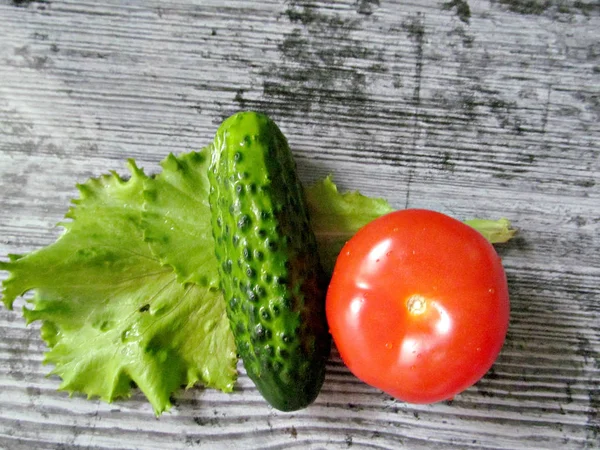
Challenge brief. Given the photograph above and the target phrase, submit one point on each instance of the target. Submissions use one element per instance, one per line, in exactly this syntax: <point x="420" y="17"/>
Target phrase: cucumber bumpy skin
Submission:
<point x="268" y="261"/>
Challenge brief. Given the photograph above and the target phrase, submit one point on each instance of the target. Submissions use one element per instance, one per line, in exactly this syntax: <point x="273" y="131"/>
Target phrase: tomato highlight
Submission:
<point x="418" y="305"/>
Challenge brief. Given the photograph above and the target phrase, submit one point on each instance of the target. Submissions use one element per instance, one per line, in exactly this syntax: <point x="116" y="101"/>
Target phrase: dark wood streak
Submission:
<point x="472" y="108"/>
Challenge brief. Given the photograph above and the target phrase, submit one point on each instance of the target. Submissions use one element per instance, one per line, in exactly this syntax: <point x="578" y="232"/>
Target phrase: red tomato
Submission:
<point x="418" y="305"/>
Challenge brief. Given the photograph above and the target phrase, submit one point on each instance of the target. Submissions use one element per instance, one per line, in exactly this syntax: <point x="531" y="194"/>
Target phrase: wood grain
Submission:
<point x="477" y="109"/>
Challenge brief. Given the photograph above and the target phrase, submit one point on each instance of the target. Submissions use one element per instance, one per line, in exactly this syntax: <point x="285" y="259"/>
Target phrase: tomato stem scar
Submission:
<point x="416" y="304"/>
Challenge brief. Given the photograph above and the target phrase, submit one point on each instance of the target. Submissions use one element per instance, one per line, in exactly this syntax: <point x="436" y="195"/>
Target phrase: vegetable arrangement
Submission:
<point x="162" y="281"/>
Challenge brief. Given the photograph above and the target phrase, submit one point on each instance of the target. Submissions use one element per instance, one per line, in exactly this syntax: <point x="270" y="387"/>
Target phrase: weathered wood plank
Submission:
<point x="479" y="108"/>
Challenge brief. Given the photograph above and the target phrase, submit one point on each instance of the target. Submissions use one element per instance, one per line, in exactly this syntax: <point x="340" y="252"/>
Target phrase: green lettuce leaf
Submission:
<point x="496" y="231"/>
<point x="112" y="313"/>
<point x="176" y="218"/>
<point x="336" y="217"/>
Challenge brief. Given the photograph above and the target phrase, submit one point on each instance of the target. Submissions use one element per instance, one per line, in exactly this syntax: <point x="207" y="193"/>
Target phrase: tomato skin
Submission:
<point x="418" y="305"/>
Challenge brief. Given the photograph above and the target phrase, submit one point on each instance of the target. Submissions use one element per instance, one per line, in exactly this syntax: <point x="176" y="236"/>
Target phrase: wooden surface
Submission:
<point x="474" y="108"/>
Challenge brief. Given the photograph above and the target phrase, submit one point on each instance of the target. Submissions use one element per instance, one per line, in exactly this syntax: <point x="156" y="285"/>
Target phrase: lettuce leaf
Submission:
<point x="112" y="313"/>
<point x="336" y="217"/>
<point x="496" y="231"/>
<point x="176" y="218"/>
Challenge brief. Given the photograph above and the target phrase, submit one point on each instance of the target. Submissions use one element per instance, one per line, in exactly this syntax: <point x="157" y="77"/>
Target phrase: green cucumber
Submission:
<point x="269" y="266"/>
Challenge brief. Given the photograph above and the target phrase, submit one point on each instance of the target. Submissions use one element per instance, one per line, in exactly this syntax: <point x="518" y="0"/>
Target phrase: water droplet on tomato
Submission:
<point x="413" y="367"/>
<point x="388" y="253"/>
<point x="389" y="345"/>
<point x="491" y="290"/>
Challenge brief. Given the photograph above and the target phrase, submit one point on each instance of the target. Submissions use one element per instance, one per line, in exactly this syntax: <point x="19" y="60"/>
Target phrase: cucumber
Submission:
<point x="269" y="267"/>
